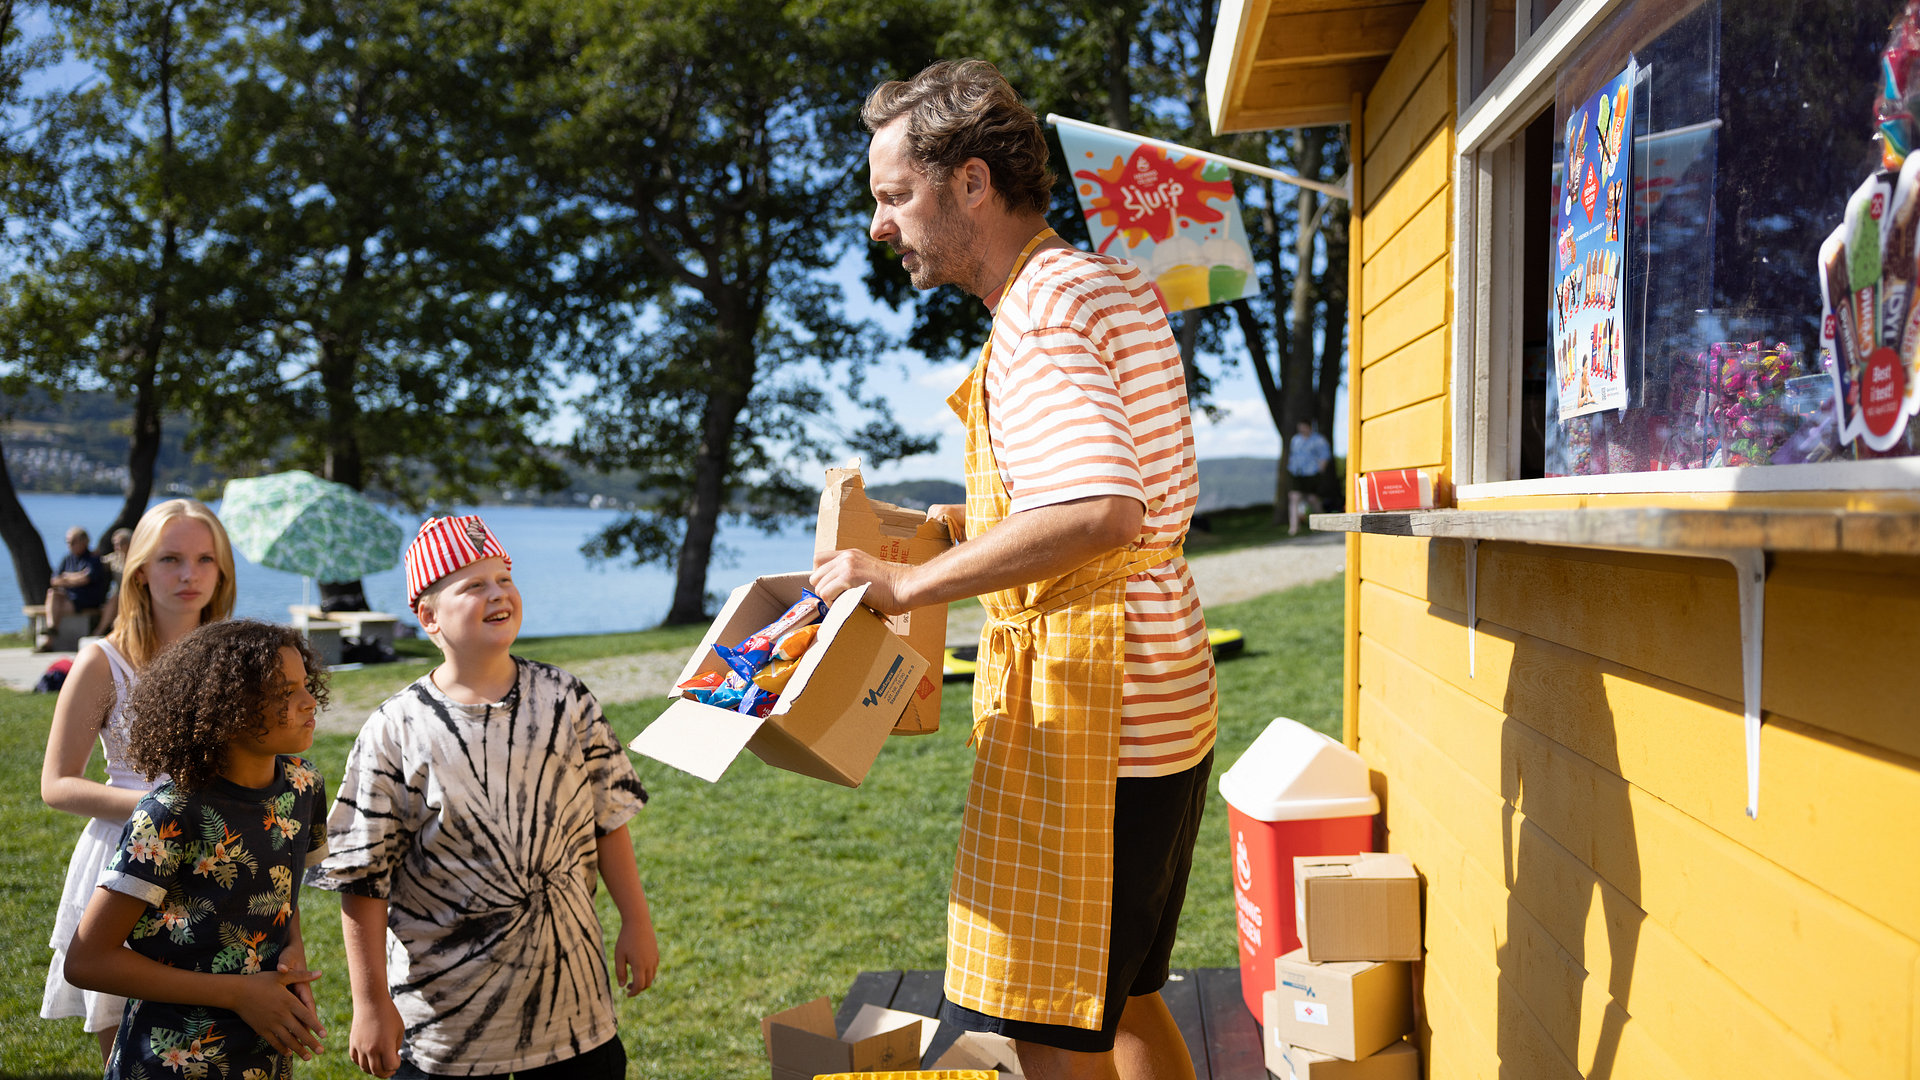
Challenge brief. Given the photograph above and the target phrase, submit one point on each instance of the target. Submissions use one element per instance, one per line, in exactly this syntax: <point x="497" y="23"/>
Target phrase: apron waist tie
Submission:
<point x="1001" y="637"/>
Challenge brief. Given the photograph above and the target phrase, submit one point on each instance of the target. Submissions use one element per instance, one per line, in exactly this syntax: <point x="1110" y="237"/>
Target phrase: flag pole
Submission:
<point x="1338" y="191"/>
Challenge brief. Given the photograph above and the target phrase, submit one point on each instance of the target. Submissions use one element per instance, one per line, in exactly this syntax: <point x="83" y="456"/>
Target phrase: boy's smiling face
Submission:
<point x="475" y="610"/>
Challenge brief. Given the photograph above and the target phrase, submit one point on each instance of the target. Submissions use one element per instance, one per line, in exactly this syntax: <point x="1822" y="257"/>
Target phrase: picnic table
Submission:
<point x="1221" y="1035"/>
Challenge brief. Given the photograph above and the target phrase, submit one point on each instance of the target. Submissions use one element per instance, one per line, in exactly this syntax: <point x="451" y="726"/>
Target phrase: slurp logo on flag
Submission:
<point x="1174" y="215"/>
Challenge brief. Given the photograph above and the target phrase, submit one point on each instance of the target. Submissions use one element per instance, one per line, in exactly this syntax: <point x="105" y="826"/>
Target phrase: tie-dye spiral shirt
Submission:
<point x="477" y="825"/>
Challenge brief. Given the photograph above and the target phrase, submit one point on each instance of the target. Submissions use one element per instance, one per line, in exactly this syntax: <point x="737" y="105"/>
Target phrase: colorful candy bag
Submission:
<point x="715" y="688"/>
<point x="753" y="653"/>
<point x="1747" y="395"/>
<point x="776" y="675"/>
<point x="796" y="643"/>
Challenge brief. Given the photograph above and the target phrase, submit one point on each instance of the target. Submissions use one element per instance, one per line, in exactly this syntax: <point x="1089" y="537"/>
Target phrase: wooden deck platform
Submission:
<point x="1221" y="1035"/>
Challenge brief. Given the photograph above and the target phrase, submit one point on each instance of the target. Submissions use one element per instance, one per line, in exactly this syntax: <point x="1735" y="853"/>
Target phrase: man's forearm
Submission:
<point x="1032" y="545"/>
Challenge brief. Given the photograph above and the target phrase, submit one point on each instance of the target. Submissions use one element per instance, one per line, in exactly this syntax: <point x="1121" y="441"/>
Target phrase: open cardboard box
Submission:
<point x="801" y="1042"/>
<point x="846" y="695"/>
<point x="849" y="519"/>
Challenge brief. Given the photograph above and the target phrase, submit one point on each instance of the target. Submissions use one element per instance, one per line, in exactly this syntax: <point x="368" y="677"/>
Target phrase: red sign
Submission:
<point x="1150" y="195"/>
<point x="1883" y="388"/>
<point x="1590" y="192"/>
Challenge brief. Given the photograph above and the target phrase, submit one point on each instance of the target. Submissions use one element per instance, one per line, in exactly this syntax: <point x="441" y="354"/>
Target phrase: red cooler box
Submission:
<point x="1294" y="792"/>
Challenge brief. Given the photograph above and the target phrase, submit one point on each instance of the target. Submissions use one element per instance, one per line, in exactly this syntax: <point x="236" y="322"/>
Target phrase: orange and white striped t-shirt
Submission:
<point x="1086" y="396"/>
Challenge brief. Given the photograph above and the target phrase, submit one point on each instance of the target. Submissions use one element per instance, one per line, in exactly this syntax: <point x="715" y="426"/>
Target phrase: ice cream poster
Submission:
<point x="1174" y="215"/>
<point x="1870" y="325"/>
<point x="1588" y="319"/>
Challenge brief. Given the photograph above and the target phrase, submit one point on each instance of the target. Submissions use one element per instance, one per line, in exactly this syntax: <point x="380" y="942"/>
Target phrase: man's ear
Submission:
<point x="975" y="182"/>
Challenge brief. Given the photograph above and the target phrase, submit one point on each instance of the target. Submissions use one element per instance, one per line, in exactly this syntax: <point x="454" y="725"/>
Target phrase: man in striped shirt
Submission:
<point x="1081" y="483"/>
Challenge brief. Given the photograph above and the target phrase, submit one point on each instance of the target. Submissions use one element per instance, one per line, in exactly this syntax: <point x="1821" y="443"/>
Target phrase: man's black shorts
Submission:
<point x="1155" y="821"/>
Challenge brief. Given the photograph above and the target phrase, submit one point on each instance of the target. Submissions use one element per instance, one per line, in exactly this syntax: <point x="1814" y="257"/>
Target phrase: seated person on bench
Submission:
<point x="79" y="585"/>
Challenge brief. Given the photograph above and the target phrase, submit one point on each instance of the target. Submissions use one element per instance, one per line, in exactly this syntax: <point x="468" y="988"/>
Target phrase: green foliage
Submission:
<point x="389" y="288"/>
<point x="707" y="156"/>
<point x="767" y="888"/>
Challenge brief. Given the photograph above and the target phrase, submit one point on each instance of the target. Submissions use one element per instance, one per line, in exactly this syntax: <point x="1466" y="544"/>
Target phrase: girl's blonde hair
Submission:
<point x="134" y="633"/>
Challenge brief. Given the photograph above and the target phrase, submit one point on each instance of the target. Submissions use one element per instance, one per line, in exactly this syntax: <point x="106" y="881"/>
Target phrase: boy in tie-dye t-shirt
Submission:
<point x="478" y="807"/>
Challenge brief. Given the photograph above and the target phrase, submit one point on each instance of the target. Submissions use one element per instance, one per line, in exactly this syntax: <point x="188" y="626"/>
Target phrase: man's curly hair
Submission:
<point x="220" y="682"/>
<point x="962" y="109"/>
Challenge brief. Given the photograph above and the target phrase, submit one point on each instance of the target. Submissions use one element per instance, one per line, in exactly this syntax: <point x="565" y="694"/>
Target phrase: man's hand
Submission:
<point x="374" y="1040"/>
<point x="954" y="515"/>
<point x="834" y="572"/>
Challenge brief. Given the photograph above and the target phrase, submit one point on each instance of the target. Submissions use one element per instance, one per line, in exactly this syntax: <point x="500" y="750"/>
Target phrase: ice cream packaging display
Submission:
<point x="1870" y="325"/>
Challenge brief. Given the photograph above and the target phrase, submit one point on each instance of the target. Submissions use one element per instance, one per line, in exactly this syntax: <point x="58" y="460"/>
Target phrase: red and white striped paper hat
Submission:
<point x="445" y="545"/>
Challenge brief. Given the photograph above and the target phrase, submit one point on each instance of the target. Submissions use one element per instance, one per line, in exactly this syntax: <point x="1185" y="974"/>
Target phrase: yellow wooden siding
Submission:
<point x="1715" y="897"/>
<point x="1827" y="808"/>
<point x="1430" y="106"/>
<point x="1423" y="180"/>
<point x="1407" y="438"/>
<point x="1417" y="309"/>
<point x="1559" y="802"/>
<point x="1421" y="243"/>
<point x="1597" y="901"/>
<point x="1411" y="375"/>
<point x="1551" y="899"/>
<point x="1427" y="43"/>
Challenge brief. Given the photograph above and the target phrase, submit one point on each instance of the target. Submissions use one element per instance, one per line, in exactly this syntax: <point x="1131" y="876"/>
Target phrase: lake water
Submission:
<point x="562" y="592"/>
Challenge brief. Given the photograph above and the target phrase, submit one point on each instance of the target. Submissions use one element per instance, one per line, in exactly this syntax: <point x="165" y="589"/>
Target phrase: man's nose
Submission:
<point x="882" y="227"/>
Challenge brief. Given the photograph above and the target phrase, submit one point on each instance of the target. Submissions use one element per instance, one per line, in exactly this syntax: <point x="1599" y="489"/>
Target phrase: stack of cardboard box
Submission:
<point x="1342" y="1003"/>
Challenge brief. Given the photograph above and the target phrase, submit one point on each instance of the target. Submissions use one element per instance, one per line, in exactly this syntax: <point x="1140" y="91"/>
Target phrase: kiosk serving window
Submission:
<point x="1713" y="256"/>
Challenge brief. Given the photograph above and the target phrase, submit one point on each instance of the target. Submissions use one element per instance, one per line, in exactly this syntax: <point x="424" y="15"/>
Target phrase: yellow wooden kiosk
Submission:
<point x="1650" y="727"/>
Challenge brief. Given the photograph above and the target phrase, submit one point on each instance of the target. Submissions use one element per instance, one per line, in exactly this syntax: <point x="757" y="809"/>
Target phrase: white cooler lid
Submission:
<point x="1294" y="773"/>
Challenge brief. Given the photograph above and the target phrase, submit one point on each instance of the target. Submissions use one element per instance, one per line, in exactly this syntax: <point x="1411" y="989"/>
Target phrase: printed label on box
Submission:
<point x="1310" y="1012"/>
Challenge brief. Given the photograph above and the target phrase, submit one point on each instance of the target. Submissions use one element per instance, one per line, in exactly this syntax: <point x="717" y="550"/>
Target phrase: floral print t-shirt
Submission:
<point x="219" y="870"/>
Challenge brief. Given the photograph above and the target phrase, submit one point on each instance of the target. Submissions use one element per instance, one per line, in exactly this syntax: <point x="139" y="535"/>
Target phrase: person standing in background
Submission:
<point x="1308" y="460"/>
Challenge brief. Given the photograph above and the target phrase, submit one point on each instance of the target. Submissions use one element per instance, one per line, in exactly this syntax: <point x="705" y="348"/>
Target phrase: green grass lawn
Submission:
<point x="767" y="888"/>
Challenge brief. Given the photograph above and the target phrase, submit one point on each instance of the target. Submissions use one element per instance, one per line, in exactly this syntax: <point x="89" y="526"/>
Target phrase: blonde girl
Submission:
<point x="178" y="576"/>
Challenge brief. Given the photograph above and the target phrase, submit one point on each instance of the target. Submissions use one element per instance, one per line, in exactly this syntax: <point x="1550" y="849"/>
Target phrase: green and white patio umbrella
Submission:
<point x="297" y="522"/>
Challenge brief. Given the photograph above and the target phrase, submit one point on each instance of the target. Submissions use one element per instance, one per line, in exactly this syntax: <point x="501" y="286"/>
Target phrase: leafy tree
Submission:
<point x="709" y="156"/>
<point x="384" y="286"/>
<point x="30" y="198"/>
<point x="109" y="298"/>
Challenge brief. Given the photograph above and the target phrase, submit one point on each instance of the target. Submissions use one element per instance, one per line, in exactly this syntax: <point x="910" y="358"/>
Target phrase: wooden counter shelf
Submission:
<point x="1657" y="529"/>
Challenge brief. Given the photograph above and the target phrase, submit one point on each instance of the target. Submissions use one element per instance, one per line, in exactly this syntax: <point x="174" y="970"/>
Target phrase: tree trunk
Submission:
<point x="143" y="441"/>
<point x="712" y="466"/>
<point x="143" y="452"/>
<point x="30" y="566"/>
<point x="1333" y="344"/>
<point x="1119" y="67"/>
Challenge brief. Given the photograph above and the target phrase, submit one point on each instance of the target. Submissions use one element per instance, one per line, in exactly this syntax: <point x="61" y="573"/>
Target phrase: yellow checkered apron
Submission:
<point x="1029" y="913"/>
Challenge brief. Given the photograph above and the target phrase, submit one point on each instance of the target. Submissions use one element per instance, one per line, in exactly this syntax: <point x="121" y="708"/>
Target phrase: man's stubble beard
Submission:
<point x="948" y="253"/>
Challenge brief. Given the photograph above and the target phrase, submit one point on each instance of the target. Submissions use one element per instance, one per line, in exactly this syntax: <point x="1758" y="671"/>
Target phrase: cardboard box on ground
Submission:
<point x="850" y="520"/>
<point x="1348" y="1009"/>
<point x="801" y="1044"/>
<point x="1357" y="907"/>
<point x="1400" y="1060"/>
<point x="845" y="697"/>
